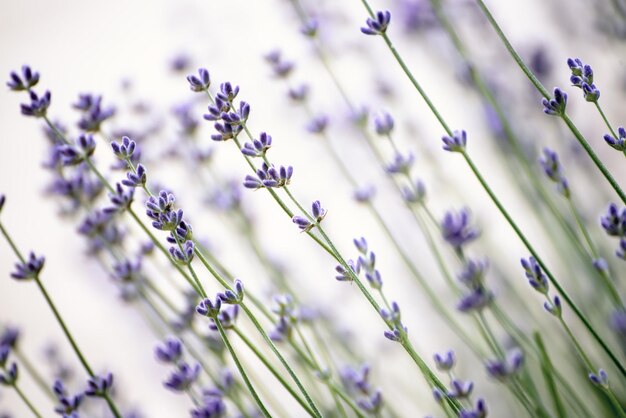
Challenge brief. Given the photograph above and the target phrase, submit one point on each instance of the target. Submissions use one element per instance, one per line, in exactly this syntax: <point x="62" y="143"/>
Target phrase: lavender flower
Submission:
<point x="299" y="93"/>
<point x="235" y="296"/>
<point x="401" y="164"/>
<point x="9" y="337"/>
<point x="536" y="278"/>
<point x="92" y="112"/>
<point x="183" y="377"/>
<point x="555" y="106"/>
<point x="473" y="273"/>
<point x="445" y="362"/>
<point x="258" y="147"/>
<point x="124" y="150"/>
<point x="383" y="124"/>
<point x="503" y="369"/>
<point x="364" y="194"/>
<point x="227" y="317"/>
<point x="280" y="67"/>
<point x="460" y="389"/>
<point x="552" y="168"/>
<point x="554" y="307"/>
<point x="211" y="407"/>
<point x="416" y="193"/>
<point x="99" y="386"/>
<point x="614" y="222"/>
<point x="207" y="307"/>
<point x="75" y="154"/>
<point x="456" y="228"/>
<point x="121" y="199"/>
<point x="10" y="375"/>
<point x="618" y="143"/>
<point x="600" y="379"/>
<point x="456" y="143"/>
<point x="38" y="105"/>
<point x="582" y="77"/>
<point x="480" y="411"/>
<point x="318" y="124"/>
<point x="344" y="274"/>
<point x="183" y="256"/>
<point x="170" y="351"/>
<point x="127" y="271"/>
<point x="227" y="92"/>
<point x="28" y="79"/>
<point x="269" y="176"/>
<point x="378" y="25"/>
<point x="310" y="28"/>
<point x="136" y="179"/>
<point x="29" y="269"/>
<point x="68" y="405"/>
<point x="200" y="83"/>
<point x="475" y="300"/>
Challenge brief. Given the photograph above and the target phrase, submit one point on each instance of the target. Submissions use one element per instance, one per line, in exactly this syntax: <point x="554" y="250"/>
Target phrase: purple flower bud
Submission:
<point x="38" y="106"/>
<point x="98" y="386"/>
<point x="554" y="307"/>
<point x="456" y="143"/>
<point x="445" y="362"/>
<point x="200" y="83"/>
<point x="600" y="379"/>
<point x="183" y="377"/>
<point x="555" y="106"/>
<point x="456" y="228"/>
<point x="207" y="307"/>
<point x="170" y="351"/>
<point x="536" y="278"/>
<point x="378" y="25"/>
<point x="28" y="79"/>
<point x="29" y="269"/>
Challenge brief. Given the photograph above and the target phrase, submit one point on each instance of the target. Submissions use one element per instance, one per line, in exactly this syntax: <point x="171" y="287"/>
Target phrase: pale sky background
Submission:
<point x="89" y="46"/>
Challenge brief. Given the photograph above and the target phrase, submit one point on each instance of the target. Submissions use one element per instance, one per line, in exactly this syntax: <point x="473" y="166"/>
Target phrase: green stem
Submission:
<point x="548" y="373"/>
<point x="274" y="372"/>
<point x="605" y="119"/>
<point x="39" y="380"/>
<point x="244" y="376"/>
<point x="26" y="401"/>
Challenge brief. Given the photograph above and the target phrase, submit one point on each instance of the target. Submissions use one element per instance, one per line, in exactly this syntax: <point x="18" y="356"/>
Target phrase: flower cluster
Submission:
<point x="582" y="77"/>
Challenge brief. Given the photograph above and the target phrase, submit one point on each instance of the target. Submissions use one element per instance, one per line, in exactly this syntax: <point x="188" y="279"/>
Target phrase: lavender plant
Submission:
<point x="293" y="341"/>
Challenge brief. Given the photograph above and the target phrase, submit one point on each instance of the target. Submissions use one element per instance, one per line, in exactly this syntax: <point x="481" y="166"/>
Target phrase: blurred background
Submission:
<point x="137" y="54"/>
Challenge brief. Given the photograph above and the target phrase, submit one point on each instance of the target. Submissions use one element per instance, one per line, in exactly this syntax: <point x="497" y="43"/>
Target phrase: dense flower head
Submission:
<point x="455" y="143"/>
<point x="99" y="386"/>
<point x="182" y="377"/>
<point x="552" y="168"/>
<point x="236" y="117"/>
<point x="555" y="106"/>
<point x="28" y="269"/>
<point x="473" y="273"/>
<point x="456" y="228"/>
<point x="201" y="82"/>
<point x="38" y="106"/>
<point x="377" y="25"/>
<point x="618" y="143"/>
<point x="170" y="351"/>
<point x="534" y="273"/>
<point x="227" y="92"/>
<point x="25" y="81"/>
<point x="582" y="77"/>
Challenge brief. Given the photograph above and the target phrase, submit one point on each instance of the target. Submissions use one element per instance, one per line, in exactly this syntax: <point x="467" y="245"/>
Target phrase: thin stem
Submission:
<point x="25" y="399"/>
<point x="605" y="119"/>
<point x="244" y="376"/>
<point x="275" y="373"/>
<point x="548" y="373"/>
<point x="28" y="366"/>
